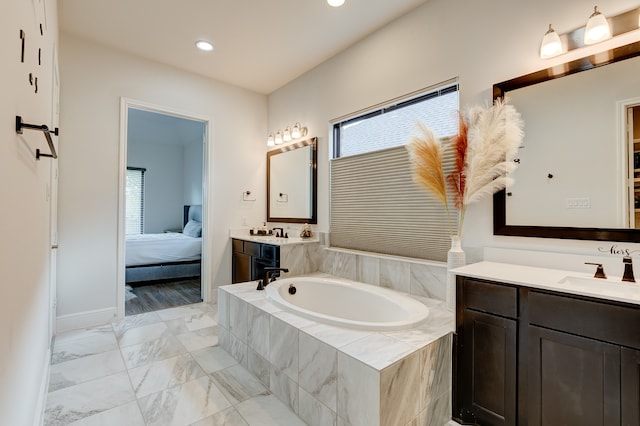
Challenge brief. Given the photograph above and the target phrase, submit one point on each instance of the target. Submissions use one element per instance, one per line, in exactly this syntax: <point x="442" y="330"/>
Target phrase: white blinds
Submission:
<point x="134" y="202"/>
<point x="376" y="206"/>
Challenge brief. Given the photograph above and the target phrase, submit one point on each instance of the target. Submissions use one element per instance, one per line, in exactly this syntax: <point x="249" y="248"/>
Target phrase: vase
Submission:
<point x="455" y="258"/>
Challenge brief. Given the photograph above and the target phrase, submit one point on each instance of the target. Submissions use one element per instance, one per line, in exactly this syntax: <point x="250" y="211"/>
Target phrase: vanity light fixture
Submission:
<point x="551" y="45"/>
<point x="204" y="45"/>
<point x="597" y="28"/>
<point x="289" y="134"/>
<point x="286" y="136"/>
<point x="335" y="3"/>
<point x="298" y="131"/>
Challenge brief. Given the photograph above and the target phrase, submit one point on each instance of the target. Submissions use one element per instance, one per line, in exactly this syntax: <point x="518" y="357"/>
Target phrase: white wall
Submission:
<point x="25" y="213"/>
<point x="192" y="191"/>
<point x="94" y="79"/>
<point x="482" y="43"/>
<point x="163" y="183"/>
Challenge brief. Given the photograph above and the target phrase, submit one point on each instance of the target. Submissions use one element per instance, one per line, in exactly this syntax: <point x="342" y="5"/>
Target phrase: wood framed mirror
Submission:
<point x="580" y="184"/>
<point x="292" y="183"/>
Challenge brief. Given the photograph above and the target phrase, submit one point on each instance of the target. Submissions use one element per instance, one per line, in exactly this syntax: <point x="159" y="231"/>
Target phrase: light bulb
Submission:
<point x="204" y="45"/>
<point x="597" y="28"/>
<point x="335" y="3"/>
<point x="551" y="45"/>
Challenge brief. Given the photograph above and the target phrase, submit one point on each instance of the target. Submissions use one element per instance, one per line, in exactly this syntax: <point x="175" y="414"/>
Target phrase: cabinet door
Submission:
<point x="486" y="376"/>
<point x="572" y="380"/>
<point x="630" y="398"/>
<point x="241" y="271"/>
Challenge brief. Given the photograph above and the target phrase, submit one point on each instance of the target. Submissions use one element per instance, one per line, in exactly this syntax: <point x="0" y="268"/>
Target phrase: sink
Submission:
<point x="613" y="285"/>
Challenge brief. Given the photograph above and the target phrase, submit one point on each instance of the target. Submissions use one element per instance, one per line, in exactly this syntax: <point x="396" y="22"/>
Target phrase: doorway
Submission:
<point x="163" y="212"/>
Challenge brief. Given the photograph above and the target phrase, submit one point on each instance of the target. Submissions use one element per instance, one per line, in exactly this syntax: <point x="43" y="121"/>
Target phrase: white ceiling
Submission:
<point x="259" y="44"/>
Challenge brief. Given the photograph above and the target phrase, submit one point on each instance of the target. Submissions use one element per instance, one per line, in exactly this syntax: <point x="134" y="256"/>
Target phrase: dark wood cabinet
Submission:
<point x="490" y="379"/>
<point x="486" y="353"/>
<point x="533" y="357"/>
<point x="630" y="387"/>
<point x="250" y="258"/>
<point x="572" y="380"/>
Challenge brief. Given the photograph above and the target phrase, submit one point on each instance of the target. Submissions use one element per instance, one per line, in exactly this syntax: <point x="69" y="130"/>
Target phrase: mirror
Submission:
<point x="292" y="183"/>
<point x="575" y="177"/>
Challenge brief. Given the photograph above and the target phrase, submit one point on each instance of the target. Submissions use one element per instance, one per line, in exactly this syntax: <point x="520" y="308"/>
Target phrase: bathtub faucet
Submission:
<point x="266" y="280"/>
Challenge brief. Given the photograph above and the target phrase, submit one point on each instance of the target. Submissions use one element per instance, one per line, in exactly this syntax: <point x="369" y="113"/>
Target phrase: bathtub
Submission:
<point x="347" y="303"/>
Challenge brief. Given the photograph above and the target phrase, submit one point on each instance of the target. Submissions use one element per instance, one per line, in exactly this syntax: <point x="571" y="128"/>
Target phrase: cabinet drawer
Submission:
<point x="589" y="318"/>
<point x="237" y="246"/>
<point x="485" y="296"/>
<point x="252" y="248"/>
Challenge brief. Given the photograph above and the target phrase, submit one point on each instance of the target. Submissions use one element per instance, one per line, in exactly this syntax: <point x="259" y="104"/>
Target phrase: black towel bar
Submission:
<point x="47" y="135"/>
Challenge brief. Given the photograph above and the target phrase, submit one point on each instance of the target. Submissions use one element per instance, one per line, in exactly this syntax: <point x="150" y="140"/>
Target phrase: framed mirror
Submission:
<point x="577" y="176"/>
<point x="292" y="183"/>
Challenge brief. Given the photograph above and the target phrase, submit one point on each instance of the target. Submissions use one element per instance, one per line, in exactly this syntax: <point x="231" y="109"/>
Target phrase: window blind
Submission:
<point x="134" y="201"/>
<point x="376" y="206"/>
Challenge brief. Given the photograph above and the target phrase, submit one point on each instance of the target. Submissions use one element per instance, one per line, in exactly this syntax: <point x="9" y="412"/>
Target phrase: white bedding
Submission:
<point x="146" y="249"/>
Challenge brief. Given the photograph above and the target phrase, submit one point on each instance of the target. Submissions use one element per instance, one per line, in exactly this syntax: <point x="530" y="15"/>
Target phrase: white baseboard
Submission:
<point x="42" y="394"/>
<point x="85" y="319"/>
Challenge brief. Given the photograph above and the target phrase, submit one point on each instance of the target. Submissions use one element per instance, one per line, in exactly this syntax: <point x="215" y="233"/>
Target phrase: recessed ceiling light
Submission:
<point x="335" y="3"/>
<point x="204" y="45"/>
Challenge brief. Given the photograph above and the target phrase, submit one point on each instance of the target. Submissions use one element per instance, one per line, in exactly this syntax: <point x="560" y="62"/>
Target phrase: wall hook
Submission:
<point x="20" y="125"/>
<point x="246" y="196"/>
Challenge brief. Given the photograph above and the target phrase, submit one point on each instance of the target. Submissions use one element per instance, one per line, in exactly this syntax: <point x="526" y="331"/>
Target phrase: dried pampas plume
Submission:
<point x="484" y="148"/>
<point x="426" y="160"/>
<point x="494" y="137"/>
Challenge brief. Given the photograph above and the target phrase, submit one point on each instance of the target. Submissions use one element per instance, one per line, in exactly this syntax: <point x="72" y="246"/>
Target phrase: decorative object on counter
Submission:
<point x="262" y="231"/>
<point x="484" y="149"/>
<point x="306" y="231"/>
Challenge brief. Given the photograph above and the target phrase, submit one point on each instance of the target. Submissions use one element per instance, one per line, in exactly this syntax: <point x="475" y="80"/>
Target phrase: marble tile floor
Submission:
<point x="157" y="368"/>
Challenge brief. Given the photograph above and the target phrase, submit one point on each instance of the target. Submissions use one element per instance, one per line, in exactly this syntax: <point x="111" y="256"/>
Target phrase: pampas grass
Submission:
<point x="426" y="160"/>
<point x="484" y="148"/>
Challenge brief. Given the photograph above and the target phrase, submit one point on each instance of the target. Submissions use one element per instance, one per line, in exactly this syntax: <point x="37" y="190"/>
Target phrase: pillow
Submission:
<point x="193" y="229"/>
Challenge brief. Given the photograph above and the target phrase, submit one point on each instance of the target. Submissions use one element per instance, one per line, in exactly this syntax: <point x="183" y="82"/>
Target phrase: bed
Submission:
<point x="171" y="255"/>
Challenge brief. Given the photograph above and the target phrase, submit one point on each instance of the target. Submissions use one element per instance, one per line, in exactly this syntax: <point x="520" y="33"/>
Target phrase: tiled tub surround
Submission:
<point x="418" y="278"/>
<point x="337" y="376"/>
<point x="301" y="256"/>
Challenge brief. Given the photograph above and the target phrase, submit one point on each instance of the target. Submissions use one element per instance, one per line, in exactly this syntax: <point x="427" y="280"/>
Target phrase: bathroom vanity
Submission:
<point x="251" y="254"/>
<point x="250" y="258"/>
<point x="537" y="346"/>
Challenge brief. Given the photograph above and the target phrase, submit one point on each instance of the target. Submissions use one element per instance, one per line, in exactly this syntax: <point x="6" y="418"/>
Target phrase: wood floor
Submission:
<point x="161" y="295"/>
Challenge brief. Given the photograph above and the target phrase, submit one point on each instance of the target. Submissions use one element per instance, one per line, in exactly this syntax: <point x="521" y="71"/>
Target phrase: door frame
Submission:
<point x="625" y="147"/>
<point x="207" y="157"/>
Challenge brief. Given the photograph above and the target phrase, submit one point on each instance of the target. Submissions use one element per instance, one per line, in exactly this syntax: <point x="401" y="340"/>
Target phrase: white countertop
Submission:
<point x="265" y="239"/>
<point x="563" y="281"/>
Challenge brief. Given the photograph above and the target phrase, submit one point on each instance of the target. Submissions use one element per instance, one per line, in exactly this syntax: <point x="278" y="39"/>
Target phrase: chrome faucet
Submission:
<point x="628" y="269"/>
<point x="262" y="283"/>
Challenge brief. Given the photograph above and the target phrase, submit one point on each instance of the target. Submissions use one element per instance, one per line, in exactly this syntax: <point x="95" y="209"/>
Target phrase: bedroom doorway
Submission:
<point x="163" y="212"/>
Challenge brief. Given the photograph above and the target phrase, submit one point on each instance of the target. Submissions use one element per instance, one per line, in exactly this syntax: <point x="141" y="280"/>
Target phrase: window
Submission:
<point x="375" y="205"/>
<point x="134" y="203"/>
